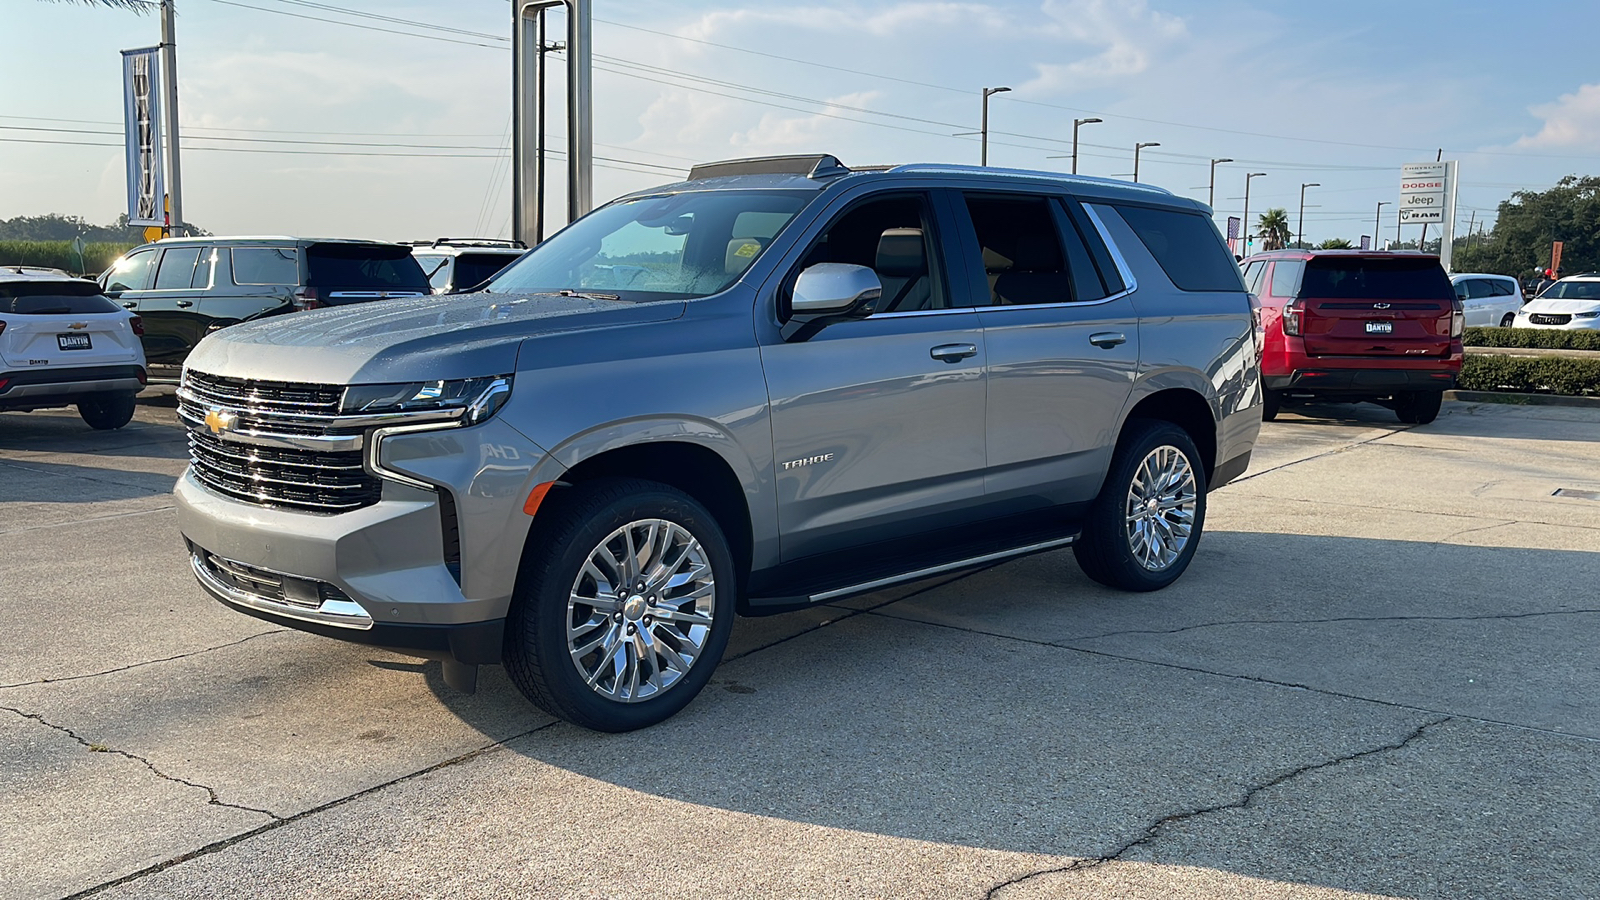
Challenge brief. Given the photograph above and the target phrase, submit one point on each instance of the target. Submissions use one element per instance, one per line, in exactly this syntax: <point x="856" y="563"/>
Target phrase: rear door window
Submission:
<point x="177" y="268"/>
<point x="373" y="267"/>
<point x="1373" y="278"/>
<point x="1021" y="249"/>
<point x="1286" y="274"/>
<point x="1188" y="247"/>
<point x="266" y="265"/>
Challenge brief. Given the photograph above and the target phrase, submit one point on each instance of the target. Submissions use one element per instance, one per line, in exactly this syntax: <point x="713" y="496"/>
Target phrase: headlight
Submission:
<point x="1587" y="315"/>
<point x="481" y="398"/>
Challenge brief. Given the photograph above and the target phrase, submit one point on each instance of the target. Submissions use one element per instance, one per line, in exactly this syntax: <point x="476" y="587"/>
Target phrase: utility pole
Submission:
<point x="1300" y="239"/>
<point x="539" y="147"/>
<point x="1246" y="220"/>
<point x="1136" y="149"/>
<point x="1076" y="123"/>
<point x="169" y="80"/>
<point x="1377" y="219"/>
<point x="1211" y="196"/>
<point x="983" y="129"/>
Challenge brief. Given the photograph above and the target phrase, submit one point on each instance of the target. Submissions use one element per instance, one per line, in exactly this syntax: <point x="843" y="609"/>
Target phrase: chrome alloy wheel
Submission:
<point x="640" y="610"/>
<point x="1161" y="508"/>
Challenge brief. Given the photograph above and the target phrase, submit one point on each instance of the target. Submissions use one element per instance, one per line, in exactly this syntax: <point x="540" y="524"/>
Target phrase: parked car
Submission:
<point x="186" y="288"/>
<point x="63" y="343"/>
<point x="459" y="264"/>
<point x="1488" y="300"/>
<point x="1357" y="326"/>
<point x="1571" y="303"/>
<point x="777" y="384"/>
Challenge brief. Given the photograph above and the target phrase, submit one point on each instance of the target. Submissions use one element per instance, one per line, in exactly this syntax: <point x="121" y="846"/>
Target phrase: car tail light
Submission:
<point x="4" y="381"/>
<point x="306" y="298"/>
<point x="1258" y="330"/>
<point x="137" y="324"/>
<point x="1292" y="313"/>
<point x="144" y="378"/>
<point x="1458" y="319"/>
<point x="2" y="328"/>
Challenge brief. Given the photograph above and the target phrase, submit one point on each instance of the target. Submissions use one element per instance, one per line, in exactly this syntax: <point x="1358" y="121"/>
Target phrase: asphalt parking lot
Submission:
<point x="1378" y="678"/>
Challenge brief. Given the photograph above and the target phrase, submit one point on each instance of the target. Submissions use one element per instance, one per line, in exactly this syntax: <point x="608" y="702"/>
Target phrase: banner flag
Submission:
<point x="141" y="116"/>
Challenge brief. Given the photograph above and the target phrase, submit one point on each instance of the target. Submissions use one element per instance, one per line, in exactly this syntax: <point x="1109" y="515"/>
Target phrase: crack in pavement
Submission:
<point x="1063" y="642"/>
<point x="121" y="515"/>
<point x="280" y="821"/>
<point x="211" y="794"/>
<point x="12" y="464"/>
<point x="148" y="662"/>
<point x="1153" y="831"/>
<point x="1340" y="449"/>
<point x="1277" y="498"/>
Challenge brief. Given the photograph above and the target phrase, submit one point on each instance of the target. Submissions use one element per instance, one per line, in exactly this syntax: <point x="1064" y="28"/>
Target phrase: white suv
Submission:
<point x="63" y="342"/>
<point x="1488" y="300"/>
<point x="456" y="264"/>
<point x="1573" y="303"/>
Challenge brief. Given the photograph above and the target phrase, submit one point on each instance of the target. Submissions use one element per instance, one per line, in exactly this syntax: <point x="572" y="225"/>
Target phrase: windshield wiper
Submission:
<point x="588" y="295"/>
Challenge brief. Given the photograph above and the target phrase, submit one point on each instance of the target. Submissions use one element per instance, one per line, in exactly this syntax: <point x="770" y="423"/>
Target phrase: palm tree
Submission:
<point x="1335" y="244"/>
<point x="1273" y="228"/>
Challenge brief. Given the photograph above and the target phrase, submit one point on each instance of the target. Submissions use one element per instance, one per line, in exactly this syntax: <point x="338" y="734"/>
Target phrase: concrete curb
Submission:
<point x="1516" y="399"/>
<point x="1533" y="351"/>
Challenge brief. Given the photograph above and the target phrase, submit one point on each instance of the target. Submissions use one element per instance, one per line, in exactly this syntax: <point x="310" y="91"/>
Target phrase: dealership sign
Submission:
<point x="141" y="111"/>
<point x="1425" y="190"/>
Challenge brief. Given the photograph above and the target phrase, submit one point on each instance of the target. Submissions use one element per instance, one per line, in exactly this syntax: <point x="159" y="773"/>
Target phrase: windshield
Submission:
<point x="674" y="247"/>
<point x="1572" y="290"/>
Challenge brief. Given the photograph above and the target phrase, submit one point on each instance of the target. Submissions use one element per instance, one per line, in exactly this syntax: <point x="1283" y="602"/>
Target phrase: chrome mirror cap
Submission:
<point x="836" y="288"/>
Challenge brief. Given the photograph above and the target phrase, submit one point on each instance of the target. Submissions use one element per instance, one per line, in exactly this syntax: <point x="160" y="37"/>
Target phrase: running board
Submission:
<point x="784" y="604"/>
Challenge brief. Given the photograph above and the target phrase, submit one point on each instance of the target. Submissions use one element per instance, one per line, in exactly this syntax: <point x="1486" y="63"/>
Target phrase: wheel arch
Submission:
<point x="1190" y="410"/>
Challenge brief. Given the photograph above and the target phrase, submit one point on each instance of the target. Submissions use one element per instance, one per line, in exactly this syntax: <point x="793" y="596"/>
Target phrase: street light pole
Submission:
<point x="1076" y="123"/>
<point x="1377" y="221"/>
<point x="1136" y="149"/>
<point x="1246" y="219"/>
<point x="984" y="128"/>
<point x="1211" y="197"/>
<point x="169" y="77"/>
<point x="1301" y="237"/>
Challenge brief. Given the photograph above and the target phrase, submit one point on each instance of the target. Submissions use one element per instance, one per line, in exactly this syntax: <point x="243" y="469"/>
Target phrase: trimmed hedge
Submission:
<point x="1542" y="338"/>
<point x="58" y="255"/>
<point x="1531" y="374"/>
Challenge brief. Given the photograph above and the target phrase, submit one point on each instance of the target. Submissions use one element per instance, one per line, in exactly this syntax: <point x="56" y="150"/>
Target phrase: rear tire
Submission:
<point x="1507" y="319"/>
<point x="1271" y="403"/>
<point x="1418" y="407"/>
<point x="623" y="605"/>
<point x="1143" y="528"/>
<point x="104" y="412"/>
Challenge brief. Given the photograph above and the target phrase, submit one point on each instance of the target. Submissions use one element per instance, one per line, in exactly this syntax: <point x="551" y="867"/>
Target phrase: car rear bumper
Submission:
<point x="1367" y="382"/>
<point x="46" y="386"/>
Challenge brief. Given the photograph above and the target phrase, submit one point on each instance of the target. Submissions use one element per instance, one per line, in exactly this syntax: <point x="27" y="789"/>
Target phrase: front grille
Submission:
<point x="313" y="480"/>
<point x="1549" y="318"/>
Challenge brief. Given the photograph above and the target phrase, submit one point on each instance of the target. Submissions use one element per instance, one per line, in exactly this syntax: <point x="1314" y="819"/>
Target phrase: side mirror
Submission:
<point x="828" y="293"/>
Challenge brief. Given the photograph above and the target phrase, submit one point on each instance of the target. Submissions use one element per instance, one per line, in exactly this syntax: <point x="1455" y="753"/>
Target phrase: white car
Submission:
<point x="63" y="342"/>
<point x="1489" y="300"/>
<point x="1573" y="303"/>
<point x="456" y="264"/>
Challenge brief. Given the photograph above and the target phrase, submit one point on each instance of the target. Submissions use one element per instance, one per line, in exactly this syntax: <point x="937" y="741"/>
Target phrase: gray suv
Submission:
<point x="776" y="384"/>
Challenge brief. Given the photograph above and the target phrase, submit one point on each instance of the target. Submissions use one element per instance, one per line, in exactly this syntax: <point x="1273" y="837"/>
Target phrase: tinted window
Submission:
<point x="374" y="267"/>
<point x="1286" y="277"/>
<point x="1376" y="278"/>
<point x="1574" y="290"/>
<point x="177" y="268"/>
<point x="1187" y="246"/>
<point x="1254" y="273"/>
<point x="1021" y="250"/>
<point x="893" y="237"/>
<point x="1500" y="287"/>
<point x="54" y="298"/>
<point x="203" y="270"/>
<point x="132" y="272"/>
<point x="437" y="268"/>
<point x="265" y="265"/>
<point x="473" y="269"/>
<point x="1110" y="275"/>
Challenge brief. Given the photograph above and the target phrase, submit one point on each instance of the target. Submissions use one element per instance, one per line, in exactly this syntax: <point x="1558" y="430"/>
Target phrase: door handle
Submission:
<point x="1105" y="340"/>
<point x="953" y="352"/>
<point x="185" y="304"/>
<point x="130" y="305"/>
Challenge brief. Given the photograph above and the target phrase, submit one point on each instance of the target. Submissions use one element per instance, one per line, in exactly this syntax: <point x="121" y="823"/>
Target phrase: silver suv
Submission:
<point x="776" y="384"/>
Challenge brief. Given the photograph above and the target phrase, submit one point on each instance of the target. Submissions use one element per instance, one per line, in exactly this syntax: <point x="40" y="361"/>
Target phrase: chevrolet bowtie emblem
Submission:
<point x="220" y="420"/>
<point x="78" y="326"/>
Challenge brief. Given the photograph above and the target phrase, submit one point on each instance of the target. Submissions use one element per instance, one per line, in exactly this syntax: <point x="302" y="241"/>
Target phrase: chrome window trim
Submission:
<point x="337" y="613"/>
<point x="1130" y="283"/>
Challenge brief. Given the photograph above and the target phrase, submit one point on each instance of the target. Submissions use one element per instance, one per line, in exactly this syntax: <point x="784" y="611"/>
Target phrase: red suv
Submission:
<point x="1352" y="326"/>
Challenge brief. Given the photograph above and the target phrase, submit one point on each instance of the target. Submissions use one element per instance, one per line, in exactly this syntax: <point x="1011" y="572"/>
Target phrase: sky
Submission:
<point x="306" y="118"/>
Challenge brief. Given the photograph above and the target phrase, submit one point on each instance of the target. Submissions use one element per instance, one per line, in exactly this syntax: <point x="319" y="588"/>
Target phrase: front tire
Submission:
<point x="104" y="412"/>
<point x="1507" y="319"/>
<point x="1143" y="528"/>
<point x="1418" y="407"/>
<point x="623" y="606"/>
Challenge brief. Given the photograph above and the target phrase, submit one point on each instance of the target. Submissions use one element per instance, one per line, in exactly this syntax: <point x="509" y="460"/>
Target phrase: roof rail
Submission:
<point x="468" y="242"/>
<point x="816" y="165"/>
<point x="957" y="169"/>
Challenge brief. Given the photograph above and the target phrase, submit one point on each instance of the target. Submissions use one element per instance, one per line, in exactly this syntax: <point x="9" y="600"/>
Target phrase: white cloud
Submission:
<point x="1571" y="122"/>
<point x="1127" y="32"/>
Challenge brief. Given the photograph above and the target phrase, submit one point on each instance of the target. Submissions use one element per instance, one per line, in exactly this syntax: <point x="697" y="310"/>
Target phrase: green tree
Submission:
<point x="1529" y="222"/>
<point x="1273" y="227"/>
<point x="1335" y="244"/>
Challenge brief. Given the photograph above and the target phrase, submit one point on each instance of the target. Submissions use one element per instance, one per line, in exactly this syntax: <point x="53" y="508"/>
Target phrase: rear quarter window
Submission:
<point x="1188" y="247"/>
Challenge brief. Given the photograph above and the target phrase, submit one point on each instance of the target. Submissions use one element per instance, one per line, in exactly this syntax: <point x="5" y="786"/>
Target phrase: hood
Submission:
<point x="1552" y="305"/>
<point x="421" y="338"/>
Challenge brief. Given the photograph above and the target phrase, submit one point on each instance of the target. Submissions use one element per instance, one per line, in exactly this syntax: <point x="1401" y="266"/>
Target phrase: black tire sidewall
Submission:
<point x="1105" y="538"/>
<point x="105" y="412"/>
<point x="583" y="520"/>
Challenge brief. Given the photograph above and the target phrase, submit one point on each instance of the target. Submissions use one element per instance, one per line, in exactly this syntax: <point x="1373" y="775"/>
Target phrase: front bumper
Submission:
<point x="34" y="388"/>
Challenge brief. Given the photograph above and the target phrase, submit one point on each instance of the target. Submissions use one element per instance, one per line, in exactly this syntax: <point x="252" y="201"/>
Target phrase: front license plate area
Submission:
<point x="73" y="341"/>
<point x="1380" y="328"/>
